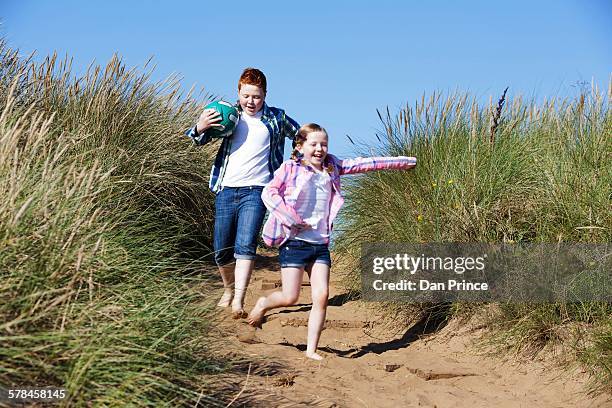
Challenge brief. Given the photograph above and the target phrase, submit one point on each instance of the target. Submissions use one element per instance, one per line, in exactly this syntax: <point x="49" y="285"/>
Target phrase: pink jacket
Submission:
<point x="281" y="194"/>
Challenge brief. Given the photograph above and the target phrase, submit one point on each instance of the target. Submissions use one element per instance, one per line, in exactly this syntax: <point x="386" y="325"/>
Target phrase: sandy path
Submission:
<point x="367" y="366"/>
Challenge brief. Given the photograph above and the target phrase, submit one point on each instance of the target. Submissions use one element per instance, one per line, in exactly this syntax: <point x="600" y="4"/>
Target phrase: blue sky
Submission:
<point x="334" y="62"/>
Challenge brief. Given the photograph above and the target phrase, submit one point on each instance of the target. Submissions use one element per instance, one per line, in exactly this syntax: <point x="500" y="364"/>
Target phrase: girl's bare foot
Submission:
<point x="226" y="299"/>
<point x="257" y="313"/>
<point x="314" y="356"/>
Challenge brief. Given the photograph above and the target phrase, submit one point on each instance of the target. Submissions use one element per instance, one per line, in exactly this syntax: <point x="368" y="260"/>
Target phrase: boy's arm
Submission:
<point x="290" y="127"/>
<point x="198" y="139"/>
<point x="208" y="119"/>
<point x="364" y="164"/>
<point x="275" y="203"/>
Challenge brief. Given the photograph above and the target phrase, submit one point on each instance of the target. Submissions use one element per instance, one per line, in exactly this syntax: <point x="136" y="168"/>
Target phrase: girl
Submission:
<point x="303" y="199"/>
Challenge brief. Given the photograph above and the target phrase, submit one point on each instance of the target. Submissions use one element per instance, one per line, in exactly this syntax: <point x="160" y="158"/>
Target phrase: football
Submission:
<point x="229" y="118"/>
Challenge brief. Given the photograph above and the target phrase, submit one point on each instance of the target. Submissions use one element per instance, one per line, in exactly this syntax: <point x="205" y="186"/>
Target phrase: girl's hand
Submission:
<point x="302" y="226"/>
<point x="209" y="118"/>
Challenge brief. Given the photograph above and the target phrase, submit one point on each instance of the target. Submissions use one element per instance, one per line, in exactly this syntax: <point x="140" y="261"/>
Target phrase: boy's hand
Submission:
<point x="209" y="118"/>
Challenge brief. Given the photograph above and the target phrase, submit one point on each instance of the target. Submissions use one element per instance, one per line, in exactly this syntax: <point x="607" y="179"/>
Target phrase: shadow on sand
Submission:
<point x="434" y="320"/>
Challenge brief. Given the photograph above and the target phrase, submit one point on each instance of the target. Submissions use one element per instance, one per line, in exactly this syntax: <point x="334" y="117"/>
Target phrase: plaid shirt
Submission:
<point x="279" y="125"/>
<point x="282" y="193"/>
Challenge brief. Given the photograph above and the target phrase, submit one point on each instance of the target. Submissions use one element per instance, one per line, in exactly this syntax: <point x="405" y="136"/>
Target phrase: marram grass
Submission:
<point x="543" y="175"/>
<point x="104" y="218"/>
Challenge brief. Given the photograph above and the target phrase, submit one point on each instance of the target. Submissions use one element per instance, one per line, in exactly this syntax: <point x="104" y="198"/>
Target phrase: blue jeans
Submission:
<point x="239" y="213"/>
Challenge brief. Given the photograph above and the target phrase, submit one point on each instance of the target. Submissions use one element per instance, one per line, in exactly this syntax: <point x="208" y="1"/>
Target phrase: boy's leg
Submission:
<point x="227" y="275"/>
<point x="242" y="274"/>
<point x="289" y="294"/>
<point x="223" y="241"/>
<point x="319" y="283"/>
<point x="250" y="216"/>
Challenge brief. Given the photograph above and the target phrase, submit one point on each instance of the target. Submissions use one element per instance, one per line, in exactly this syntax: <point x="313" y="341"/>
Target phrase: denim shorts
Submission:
<point x="239" y="214"/>
<point x="298" y="254"/>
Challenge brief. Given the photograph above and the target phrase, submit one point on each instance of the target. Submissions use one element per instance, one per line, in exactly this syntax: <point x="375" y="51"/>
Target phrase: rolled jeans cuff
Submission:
<point x="240" y="256"/>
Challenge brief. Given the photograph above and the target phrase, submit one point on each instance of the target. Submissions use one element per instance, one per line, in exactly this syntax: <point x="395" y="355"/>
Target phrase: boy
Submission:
<point x="245" y="163"/>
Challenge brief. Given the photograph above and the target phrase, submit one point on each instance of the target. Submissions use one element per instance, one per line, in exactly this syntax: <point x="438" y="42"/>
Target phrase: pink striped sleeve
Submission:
<point x="364" y="164"/>
<point x="273" y="198"/>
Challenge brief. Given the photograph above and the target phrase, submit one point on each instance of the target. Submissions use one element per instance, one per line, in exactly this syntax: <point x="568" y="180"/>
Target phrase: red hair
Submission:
<point x="253" y="76"/>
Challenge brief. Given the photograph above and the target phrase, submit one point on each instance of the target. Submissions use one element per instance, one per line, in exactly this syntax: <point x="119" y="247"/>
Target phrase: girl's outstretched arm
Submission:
<point x="274" y="201"/>
<point x="364" y="164"/>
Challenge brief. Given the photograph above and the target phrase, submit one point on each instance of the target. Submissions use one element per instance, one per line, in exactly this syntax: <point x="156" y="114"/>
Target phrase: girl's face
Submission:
<point x="251" y="98"/>
<point x="314" y="149"/>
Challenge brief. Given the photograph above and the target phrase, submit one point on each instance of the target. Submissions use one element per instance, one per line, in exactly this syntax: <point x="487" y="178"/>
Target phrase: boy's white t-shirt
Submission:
<point x="248" y="160"/>
<point x="313" y="207"/>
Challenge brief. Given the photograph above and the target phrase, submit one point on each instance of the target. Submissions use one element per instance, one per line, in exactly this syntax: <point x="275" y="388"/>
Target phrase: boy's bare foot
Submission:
<point x="314" y="356"/>
<point x="257" y="313"/>
<point x="226" y="299"/>
<point x="239" y="314"/>
<point x="238" y="304"/>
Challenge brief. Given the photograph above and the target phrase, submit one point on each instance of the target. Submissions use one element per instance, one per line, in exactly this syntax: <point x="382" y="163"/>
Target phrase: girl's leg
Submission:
<point x="291" y="282"/>
<point x="319" y="284"/>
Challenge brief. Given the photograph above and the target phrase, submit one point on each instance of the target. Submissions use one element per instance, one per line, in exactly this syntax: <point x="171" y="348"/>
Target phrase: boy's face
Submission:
<point x="251" y="98"/>
<point x="314" y="149"/>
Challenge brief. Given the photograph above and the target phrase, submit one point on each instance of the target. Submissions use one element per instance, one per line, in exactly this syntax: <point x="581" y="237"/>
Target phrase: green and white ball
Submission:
<point x="229" y="119"/>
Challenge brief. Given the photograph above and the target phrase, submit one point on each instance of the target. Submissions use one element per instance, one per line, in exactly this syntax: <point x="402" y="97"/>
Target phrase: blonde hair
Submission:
<point x="301" y="137"/>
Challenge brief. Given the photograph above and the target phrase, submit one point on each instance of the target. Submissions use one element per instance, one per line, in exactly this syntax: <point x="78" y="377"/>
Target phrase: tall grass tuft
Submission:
<point x="104" y="218"/>
<point x="546" y="178"/>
